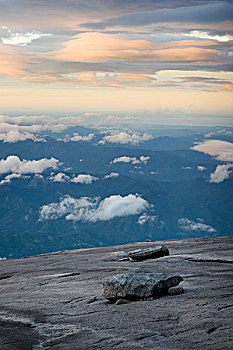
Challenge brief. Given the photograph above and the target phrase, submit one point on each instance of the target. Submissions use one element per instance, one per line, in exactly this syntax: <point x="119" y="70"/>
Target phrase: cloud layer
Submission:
<point x="222" y="150"/>
<point x="94" y="209"/>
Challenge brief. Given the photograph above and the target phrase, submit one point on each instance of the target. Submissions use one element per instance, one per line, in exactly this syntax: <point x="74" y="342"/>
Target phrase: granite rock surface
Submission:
<point x="45" y="300"/>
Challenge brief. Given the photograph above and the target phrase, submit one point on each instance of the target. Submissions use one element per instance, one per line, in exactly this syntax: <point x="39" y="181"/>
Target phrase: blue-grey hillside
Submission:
<point x="61" y="194"/>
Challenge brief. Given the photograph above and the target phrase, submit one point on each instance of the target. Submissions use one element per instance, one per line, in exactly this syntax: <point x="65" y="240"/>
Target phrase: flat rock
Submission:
<point x="148" y="253"/>
<point x="139" y="286"/>
<point x="43" y="304"/>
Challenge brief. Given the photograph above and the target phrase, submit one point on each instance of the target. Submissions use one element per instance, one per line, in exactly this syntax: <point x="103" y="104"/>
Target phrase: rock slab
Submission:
<point x="148" y="253"/>
<point x="139" y="286"/>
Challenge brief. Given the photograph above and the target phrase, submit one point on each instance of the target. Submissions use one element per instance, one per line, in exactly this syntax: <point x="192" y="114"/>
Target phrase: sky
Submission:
<point x="147" y="61"/>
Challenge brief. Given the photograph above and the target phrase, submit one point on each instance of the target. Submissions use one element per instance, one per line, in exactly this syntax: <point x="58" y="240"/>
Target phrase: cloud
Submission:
<point x="21" y="39"/>
<point x="84" y="179"/>
<point x="35" y="124"/>
<point x="111" y="175"/>
<point x="190" y="225"/>
<point x="221" y="173"/>
<point x="133" y="160"/>
<point x="92" y="209"/>
<point x="15" y="136"/>
<point x="78" y="137"/>
<point x="13" y="164"/>
<point x="144" y="218"/>
<point x="226" y="132"/>
<point x="81" y="178"/>
<point x="95" y="47"/>
<point x="59" y="177"/>
<point x="125" y="138"/>
<point x="201" y="168"/>
<point x="8" y="178"/>
<point x="202" y="13"/>
<point x="205" y="35"/>
<point x="222" y="150"/>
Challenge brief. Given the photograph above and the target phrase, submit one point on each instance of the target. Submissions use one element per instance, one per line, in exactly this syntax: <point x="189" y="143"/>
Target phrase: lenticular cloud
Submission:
<point x="92" y="209"/>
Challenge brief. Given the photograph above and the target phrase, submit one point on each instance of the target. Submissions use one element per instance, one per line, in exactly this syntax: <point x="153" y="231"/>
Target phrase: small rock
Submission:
<point x="92" y="299"/>
<point x="149" y="253"/>
<point x="175" y="290"/>
<point x="139" y="285"/>
<point x="121" y="301"/>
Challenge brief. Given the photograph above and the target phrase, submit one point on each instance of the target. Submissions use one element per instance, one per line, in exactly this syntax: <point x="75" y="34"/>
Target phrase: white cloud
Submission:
<point x="190" y="225"/>
<point x="221" y="173"/>
<point x="8" y="178"/>
<point x="144" y="218"/>
<point x="92" y="209"/>
<point x="77" y="137"/>
<point x="13" y="164"/>
<point x="84" y="179"/>
<point x="59" y="177"/>
<point x="133" y="160"/>
<point x="21" y="39"/>
<point x="201" y="168"/>
<point x="27" y="119"/>
<point x="35" y="124"/>
<point x="15" y="136"/>
<point x="111" y="175"/>
<point x="205" y="35"/>
<point x="222" y="150"/>
<point x="186" y="167"/>
<point x="125" y="138"/>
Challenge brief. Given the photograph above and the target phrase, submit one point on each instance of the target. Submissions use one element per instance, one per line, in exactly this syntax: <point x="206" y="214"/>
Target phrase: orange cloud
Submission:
<point x="11" y="63"/>
<point x="99" y="47"/>
<point x="228" y="87"/>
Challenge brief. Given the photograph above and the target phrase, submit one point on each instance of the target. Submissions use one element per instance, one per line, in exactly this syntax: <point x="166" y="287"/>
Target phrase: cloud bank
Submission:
<point x="93" y="209"/>
<point x="13" y="164"/>
<point x="222" y="150"/>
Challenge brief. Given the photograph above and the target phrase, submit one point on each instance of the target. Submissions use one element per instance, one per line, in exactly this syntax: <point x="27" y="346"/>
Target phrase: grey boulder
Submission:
<point x="139" y="286"/>
<point x="148" y="253"/>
